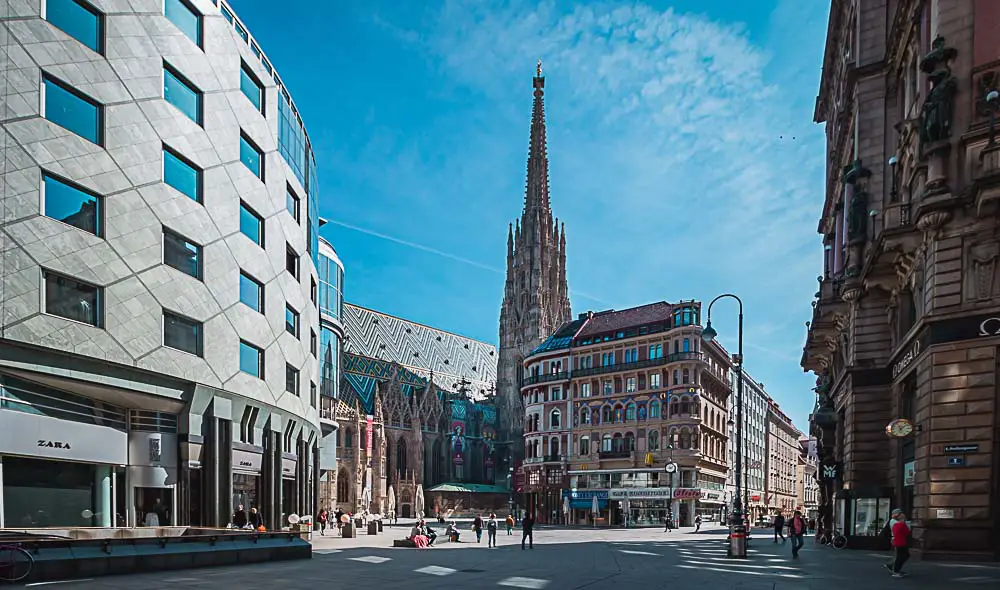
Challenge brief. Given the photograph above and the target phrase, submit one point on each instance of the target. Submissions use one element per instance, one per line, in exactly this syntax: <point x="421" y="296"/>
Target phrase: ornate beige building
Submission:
<point x="782" y="461"/>
<point x="906" y="326"/>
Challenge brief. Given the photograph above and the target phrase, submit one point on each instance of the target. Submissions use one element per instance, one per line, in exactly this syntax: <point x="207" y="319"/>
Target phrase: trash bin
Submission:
<point x="348" y="531"/>
<point x="379" y="525"/>
<point x="373" y="528"/>
<point x="738" y="541"/>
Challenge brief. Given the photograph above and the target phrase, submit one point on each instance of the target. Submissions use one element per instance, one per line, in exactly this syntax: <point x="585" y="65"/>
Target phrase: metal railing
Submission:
<point x="615" y="454"/>
<point x="547" y="377"/>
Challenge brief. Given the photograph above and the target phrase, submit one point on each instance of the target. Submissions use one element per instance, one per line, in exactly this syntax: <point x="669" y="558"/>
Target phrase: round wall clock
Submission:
<point x="671" y="467"/>
<point x="899" y="428"/>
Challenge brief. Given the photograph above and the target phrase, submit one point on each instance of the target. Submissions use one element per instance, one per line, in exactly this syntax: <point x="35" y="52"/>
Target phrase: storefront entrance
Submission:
<point x="154" y="506"/>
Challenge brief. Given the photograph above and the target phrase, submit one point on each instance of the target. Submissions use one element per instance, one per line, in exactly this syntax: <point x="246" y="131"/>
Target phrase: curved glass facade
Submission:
<point x="331" y="287"/>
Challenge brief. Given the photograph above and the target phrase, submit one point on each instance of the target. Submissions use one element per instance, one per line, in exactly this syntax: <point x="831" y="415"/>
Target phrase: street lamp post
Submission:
<point x="737" y="528"/>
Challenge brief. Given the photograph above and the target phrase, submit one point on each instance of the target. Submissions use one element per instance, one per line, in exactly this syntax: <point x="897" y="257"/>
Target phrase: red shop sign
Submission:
<point x="687" y="494"/>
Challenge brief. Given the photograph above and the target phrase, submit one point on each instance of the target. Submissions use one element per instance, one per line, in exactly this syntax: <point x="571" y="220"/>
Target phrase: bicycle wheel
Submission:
<point x="839" y="542"/>
<point x="15" y="563"/>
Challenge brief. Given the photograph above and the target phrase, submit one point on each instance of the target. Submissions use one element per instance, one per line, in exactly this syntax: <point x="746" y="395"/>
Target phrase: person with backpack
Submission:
<point x="797" y="531"/>
<point x="510" y="524"/>
<point x="491" y="531"/>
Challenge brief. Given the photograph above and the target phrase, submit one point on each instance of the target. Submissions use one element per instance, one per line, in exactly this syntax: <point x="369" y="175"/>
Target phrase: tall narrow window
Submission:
<point x="251" y="224"/>
<point x="251" y="88"/>
<point x="291" y="321"/>
<point x="181" y="93"/>
<point x="185" y="18"/>
<point x="72" y="204"/>
<point x="182" y="333"/>
<point x="251" y="292"/>
<point x="72" y="299"/>
<point x="291" y="379"/>
<point x="251" y="156"/>
<point x="292" y="203"/>
<point x="251" y="359"/>
<point x="291" y="261"/>
<point x="181" y="254"/>
<point x="79" y="20"/>
<point x="73" y="110"/>
<point x="181" y="174"/>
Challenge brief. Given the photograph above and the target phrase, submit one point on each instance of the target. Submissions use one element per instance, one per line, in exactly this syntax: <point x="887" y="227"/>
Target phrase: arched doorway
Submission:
<point x="343" y="488"/>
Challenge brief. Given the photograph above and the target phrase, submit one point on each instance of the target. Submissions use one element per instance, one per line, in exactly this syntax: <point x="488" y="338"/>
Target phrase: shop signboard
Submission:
<point x="687" y="494"/>
<point x="247" y="462"/>
<point x="909" y="473"/>
<point x="586" y="494"/>
<point x="152" y="449"/>
<point x="288" y="465"/>
<point x="31" y="435"/>
<point x="640" y="493"/>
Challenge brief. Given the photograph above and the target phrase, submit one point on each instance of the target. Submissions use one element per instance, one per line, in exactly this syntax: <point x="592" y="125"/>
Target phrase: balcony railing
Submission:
<point x="616" y="368"/>
<point x="615" y="454"/>
<point x="643" y="364"/>
<point x="546" y="378"/>
<point x="553" y="458"/>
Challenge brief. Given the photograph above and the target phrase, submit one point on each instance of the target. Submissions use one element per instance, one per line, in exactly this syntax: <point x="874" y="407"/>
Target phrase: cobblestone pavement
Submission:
<point x="567" y="559"/>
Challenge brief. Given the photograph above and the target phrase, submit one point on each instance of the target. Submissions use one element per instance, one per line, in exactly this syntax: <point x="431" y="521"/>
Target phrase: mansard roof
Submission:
<point x="613" y="320"/>
<point x="420" y="349"/>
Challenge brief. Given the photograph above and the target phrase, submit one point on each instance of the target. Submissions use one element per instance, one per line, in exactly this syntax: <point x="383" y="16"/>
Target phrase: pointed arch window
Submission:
<point x="619" y="413"/>
<point x="654" y="409"/>
<point x="630" y="411"/>
<point x="585" y="416"/>
<point x="606" y="416"/>
<point x="642" y="411"/>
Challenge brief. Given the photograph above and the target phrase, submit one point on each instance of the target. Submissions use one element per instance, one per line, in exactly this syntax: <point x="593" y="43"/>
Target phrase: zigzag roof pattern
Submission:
<point x="362" y="375"/>
<point x="421" y="349"/>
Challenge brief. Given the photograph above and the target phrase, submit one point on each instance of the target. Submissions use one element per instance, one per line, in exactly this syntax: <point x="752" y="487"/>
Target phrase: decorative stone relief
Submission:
<point x="982" y="267"/>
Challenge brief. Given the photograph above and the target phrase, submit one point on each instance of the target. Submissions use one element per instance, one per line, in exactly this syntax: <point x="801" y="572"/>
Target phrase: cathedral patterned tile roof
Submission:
<point x="376" y="340"/>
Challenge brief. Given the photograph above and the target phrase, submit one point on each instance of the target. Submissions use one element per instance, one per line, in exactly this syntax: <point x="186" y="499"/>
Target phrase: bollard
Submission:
<point x="738" y="541"/>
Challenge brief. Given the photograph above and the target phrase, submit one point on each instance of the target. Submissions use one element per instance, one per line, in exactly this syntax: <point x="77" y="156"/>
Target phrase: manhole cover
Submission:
<point x="472" y="571"/>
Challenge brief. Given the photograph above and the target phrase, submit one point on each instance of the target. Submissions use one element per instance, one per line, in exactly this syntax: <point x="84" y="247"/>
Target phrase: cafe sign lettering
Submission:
<point x="687" y="494"/>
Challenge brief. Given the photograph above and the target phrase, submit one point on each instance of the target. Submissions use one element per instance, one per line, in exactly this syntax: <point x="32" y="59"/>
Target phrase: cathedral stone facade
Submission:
<point x="536" y="295"/>
<point x="416" y="419"/>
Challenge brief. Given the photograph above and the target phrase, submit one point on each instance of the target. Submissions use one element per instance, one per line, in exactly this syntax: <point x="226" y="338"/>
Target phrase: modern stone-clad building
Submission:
<point x="611" y="398"/>
<point x="158" y="231"/>
<point x="905" y="335"/>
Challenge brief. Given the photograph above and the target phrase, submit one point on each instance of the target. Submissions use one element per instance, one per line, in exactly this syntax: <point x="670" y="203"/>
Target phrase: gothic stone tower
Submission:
<point x="536" y="296"/>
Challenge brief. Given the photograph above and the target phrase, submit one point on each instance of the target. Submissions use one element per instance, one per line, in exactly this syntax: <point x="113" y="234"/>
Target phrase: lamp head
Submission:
<point x="992" y="96"/>
<point x="709" y="334"/>
<point x="893" y="161"/>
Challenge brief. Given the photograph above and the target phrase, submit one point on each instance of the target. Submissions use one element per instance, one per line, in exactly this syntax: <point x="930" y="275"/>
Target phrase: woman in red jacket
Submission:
<point x="900" y="543"/>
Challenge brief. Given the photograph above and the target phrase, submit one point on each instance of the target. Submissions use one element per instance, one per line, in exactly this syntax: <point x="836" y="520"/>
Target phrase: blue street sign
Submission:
<point x="953" y="461"/>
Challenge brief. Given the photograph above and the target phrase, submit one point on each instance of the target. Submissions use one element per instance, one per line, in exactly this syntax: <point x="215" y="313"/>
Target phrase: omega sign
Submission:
<point x="907" y="359"/>
<point x="990" y="327"/>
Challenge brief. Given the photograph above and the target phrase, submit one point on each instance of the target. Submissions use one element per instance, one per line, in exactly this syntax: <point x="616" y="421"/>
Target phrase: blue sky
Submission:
<point x="683" y="157"/>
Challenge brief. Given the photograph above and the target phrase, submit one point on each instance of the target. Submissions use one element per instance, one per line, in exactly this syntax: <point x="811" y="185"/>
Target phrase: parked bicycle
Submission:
<point x="15" y="563"/>
<point x="835" y="539"/>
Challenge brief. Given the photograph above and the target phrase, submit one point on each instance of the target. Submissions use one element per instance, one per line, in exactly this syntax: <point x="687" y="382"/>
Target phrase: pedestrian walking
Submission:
<point x="797" y="531"/>
<point x="322" y="519"/>
<point x="900" y="543"/>
<point x="527" y="526"/>
<point x="510" y="524"/>
<point x="477" y="525"/>
<point x="697" y="523"/>
<point x="667" y="525"/>
<point x="779" y="527"/>
<point x="491" y="531"/>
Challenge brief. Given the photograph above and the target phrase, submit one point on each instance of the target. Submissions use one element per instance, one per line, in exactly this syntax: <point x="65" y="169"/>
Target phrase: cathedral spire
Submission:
<point x="537" y="191"/>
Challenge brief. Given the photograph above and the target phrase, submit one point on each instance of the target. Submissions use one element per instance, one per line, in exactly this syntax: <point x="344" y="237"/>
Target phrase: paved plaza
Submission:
<point x="567" y="559"/>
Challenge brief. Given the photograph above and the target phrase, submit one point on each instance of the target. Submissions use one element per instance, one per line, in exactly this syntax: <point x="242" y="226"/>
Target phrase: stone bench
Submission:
<point x="404" y="543"/>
